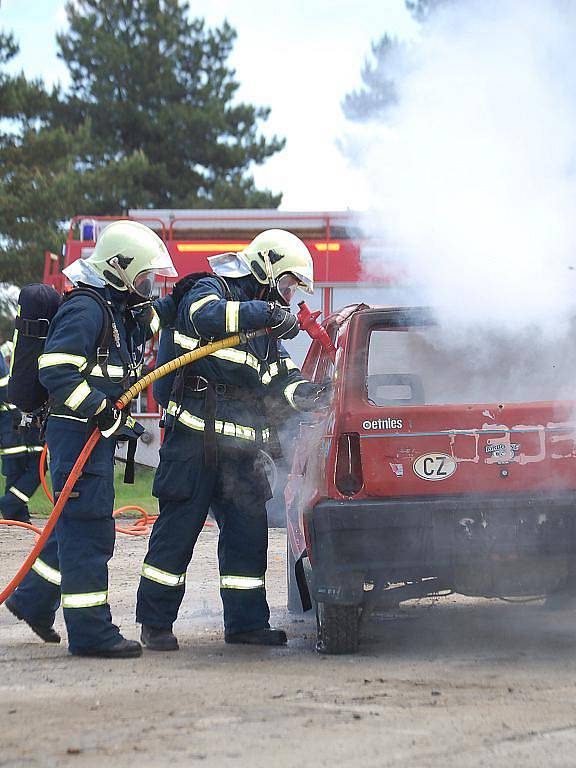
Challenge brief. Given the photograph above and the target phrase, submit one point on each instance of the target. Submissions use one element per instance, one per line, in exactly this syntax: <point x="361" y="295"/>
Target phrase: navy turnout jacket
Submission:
<point x="261" y="368"/>
<point x="76" y="383"/>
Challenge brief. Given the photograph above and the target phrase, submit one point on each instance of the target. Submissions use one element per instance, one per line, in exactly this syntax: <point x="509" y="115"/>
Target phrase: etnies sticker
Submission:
<point x="435" y="466"/>
<point x="383" y="423"/>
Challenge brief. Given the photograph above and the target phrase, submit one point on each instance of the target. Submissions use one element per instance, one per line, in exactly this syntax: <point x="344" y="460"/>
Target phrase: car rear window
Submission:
<point x="414" y="366"/>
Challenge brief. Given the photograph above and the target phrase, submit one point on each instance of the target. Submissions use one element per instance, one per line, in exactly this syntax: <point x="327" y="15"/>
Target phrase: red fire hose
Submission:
<point x="76" y="471"/>
<point x="308" y="322"/>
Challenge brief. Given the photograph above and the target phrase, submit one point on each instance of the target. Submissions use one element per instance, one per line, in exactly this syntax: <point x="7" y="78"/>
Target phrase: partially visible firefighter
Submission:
<point x="216" y="430"/>
<point x="93" y="352"/>
<point x="20" y="448"/>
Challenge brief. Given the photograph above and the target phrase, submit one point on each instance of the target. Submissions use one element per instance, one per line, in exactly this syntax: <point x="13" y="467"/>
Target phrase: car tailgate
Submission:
<point x="435" y="450"/>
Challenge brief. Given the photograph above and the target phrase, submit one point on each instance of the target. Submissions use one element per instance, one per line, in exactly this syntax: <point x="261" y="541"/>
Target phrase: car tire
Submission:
<point x="338" y="628"/>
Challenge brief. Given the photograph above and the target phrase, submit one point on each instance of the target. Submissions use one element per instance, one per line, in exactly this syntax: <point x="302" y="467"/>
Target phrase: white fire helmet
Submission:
<point x="280" y="259"/>
<point x="129" y="256"/>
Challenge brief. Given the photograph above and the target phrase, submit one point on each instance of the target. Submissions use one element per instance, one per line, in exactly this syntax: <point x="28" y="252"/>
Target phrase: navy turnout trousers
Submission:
<point x="73" y="566"/>
<point x="236" y="489"/>
<point x="22" y="480"/>
<point x="20" y="449"/>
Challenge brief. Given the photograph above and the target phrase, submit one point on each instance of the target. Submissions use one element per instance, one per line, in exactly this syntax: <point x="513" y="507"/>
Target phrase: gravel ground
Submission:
<point x="456" y="682"/>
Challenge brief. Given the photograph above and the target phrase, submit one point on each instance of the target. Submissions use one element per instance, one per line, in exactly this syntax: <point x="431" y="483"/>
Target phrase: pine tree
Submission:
<point x="38" y="185"/>
<point x="378" y="93"/>
<point x="150" y="119"/>
<point x="159" y="94"/>
<point x="421" y="9"/>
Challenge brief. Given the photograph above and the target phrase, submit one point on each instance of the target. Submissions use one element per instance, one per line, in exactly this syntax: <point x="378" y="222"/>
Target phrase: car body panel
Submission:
<point x="424" y="467"/>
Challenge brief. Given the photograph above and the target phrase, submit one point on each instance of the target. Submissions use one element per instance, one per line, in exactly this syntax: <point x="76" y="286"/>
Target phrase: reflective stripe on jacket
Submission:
<point x="69" y="369"/>
<point x="261" y="370"/>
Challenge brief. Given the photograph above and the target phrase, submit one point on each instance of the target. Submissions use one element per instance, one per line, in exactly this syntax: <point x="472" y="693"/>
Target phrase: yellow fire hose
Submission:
<point x="179" y="362"/>
<point x="128" y="396"/>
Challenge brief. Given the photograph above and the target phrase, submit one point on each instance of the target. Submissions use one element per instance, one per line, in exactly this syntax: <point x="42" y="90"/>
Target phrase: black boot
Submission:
<point x="158" y="639"/>
<point x="46" y="633"/>
<point x="124" y="649"/>
<point x="265" y="636"/>
<point x="20" y="517"/>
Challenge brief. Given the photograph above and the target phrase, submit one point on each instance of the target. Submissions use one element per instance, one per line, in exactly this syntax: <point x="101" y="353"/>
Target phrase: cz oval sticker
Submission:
<point x="435" y="466"/>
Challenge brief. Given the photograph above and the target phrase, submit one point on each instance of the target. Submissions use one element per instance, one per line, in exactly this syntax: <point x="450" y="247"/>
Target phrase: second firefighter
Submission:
<point x="216" y="428"/>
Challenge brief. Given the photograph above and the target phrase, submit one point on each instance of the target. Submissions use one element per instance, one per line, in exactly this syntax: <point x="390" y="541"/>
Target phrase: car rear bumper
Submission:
<point x="403" y="539"/>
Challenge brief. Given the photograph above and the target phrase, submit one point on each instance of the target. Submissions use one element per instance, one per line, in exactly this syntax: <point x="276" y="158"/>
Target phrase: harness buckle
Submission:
<point x="102" y="355"/>
<point x="38" y="328"/>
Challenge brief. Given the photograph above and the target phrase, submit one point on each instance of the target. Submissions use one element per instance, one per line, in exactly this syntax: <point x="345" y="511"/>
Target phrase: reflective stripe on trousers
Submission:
<point x="163" y="577"/>
<point x="47" y="572"/>
<point x="19" y="494"/>
<point x="242" y="582"/>
<point x="15" y="449"/>
<point x="84" y="599"/>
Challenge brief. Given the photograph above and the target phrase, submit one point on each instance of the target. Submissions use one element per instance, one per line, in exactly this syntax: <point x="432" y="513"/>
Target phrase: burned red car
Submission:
<point x="420" y="479"/>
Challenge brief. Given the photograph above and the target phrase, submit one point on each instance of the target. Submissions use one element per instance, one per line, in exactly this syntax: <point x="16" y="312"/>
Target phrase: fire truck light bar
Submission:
<point x="225" y="247"/>
<point x="327" y="246"/>
<point x="209" y="247"/>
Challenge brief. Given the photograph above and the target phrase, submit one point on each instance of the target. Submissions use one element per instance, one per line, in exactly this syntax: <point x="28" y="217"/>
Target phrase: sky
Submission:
<point x="299" y="57"/>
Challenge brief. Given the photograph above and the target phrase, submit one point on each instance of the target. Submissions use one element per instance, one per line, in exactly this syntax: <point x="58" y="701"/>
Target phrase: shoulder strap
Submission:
<point x="225" y="287"/>
<point x="106" y="333"/>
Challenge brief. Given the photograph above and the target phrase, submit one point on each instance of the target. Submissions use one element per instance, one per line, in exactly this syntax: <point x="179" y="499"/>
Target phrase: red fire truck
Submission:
<point x="340" y="256"/>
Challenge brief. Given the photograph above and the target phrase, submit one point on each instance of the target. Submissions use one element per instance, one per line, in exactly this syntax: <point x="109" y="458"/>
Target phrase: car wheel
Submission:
<point x="338" y="628"/>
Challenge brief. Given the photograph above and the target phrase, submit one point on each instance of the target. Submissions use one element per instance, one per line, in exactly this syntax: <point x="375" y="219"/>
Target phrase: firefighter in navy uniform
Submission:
<point x="20" y="448"/>
<point x="215" y="428"/>
<point x="83" y="387"/>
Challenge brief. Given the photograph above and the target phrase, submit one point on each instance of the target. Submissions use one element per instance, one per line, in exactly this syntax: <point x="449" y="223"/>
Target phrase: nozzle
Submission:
<point x="309" y="322"/>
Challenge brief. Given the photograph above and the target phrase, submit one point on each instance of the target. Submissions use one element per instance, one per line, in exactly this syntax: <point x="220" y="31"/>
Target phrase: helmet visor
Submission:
<point x="144" y="282"/>
<point x="287" y="285"/>
<point x="168" y="270"/>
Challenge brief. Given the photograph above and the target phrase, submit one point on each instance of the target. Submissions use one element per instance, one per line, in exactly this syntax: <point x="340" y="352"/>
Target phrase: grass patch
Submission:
<point x="138" y="494"/>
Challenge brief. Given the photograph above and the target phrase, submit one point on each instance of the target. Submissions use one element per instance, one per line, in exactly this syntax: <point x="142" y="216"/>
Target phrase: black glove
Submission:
<point x="138" y="303"/>
<point x="313" y="397"/>
<point x="110" y="419"/>
<point x="182" y="287"/>
<point x="283" y="324"/>
<point x="130" y="429"/>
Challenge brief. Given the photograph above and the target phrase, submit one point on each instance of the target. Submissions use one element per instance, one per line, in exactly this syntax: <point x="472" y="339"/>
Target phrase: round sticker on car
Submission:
<point x="435" y="466"/>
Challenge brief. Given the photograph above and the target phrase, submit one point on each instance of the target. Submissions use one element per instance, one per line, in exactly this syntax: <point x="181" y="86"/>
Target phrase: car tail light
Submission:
<point x="349" y="479"/>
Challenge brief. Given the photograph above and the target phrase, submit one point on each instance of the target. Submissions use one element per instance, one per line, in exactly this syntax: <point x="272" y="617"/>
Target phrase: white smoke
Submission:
<point x="473" y="175"/>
